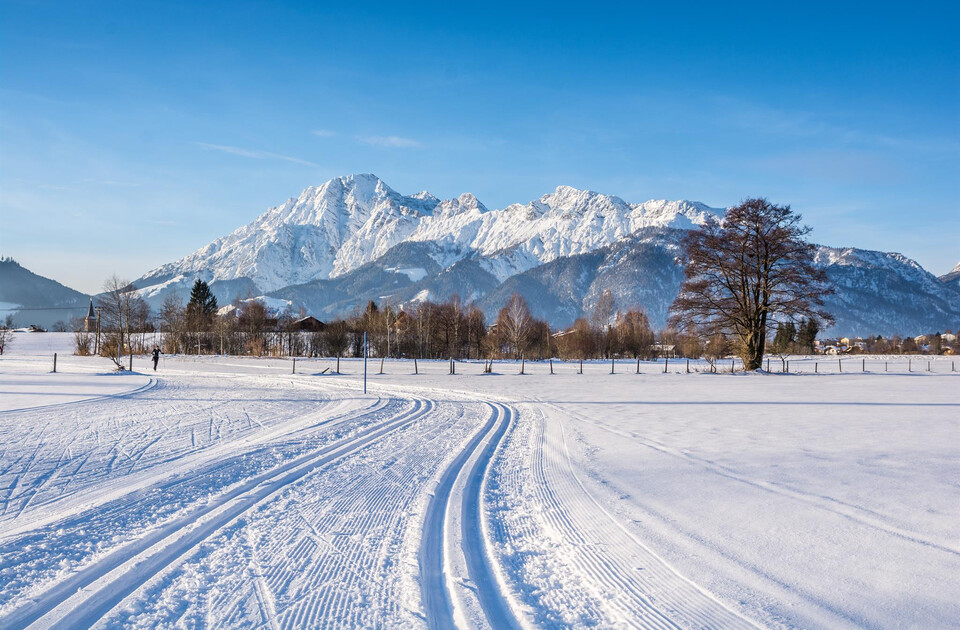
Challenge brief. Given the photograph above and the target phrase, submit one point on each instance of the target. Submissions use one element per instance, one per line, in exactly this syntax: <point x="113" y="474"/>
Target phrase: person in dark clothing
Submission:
<point x="156" y="357"/>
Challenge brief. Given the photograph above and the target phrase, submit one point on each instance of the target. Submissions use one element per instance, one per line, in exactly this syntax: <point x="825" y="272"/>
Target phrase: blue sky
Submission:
<point x="132" y="134"/>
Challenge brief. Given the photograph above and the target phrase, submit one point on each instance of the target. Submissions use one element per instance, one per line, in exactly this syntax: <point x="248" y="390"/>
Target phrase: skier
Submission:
<point x="156" y="357"/>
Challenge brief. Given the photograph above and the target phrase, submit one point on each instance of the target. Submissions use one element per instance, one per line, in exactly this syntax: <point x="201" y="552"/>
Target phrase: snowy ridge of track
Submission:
<point x="150" y="384"/>
<point x="846" y="510"/>
<point x="82" y="599"/>
<point x="576" y="563"/>
<point x="100" y="451"/>
<point x="441" y="575"/>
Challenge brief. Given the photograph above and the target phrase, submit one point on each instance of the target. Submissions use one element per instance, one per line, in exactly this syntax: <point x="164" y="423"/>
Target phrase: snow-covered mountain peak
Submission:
<point x="567" y="199"/>
<point x="334" y="228"/>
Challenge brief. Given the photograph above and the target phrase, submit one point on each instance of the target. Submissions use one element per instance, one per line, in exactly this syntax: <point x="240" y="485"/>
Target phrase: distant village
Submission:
<point x="937" y="343"/>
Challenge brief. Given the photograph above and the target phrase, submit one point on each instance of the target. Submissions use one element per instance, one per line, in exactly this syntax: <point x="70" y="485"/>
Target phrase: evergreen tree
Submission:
<point x="809" y="329"/>
<point x="785" y="338"/>
<point x="202" y="300"/>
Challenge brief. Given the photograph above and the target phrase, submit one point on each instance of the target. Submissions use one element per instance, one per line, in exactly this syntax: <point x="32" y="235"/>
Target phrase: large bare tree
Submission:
<point x="123" y="312"/>
<point x="745" y="272"/>
<point x="515" y="325"/>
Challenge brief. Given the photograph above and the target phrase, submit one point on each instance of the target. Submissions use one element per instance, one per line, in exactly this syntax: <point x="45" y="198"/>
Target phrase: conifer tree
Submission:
<point x="202" y="300"/>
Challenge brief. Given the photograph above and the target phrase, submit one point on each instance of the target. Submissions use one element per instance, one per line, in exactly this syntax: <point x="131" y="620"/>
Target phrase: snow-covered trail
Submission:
<point x="303" y="503"/>
<point x="576" y="563"/>
<point x="454" y="548"/>
<point x="72" y="453"/>
<point x="231" y="493"/>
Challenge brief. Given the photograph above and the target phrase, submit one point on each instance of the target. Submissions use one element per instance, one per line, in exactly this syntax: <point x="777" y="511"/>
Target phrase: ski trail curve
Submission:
<point x="434" y="581"/>
<point x="104" y="584"/>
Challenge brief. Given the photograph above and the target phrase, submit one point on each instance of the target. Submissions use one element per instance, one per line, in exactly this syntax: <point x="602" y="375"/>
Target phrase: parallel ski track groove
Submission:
<point x="434" y="587"/>
<point x="849" y="511"/>
<point x="192" y="530"/>
<point x="680" y="602"/>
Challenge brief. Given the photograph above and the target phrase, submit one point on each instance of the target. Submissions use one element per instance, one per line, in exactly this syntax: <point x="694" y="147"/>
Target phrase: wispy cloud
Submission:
<point x="323" y="133"/>
<point x="111" y="182"/>
<point x="390" y="141"/>
<point x="250" y="153"/>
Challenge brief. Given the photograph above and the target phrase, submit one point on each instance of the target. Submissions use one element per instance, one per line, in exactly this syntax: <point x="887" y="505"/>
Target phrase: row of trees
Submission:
<point x="426" y="330"/>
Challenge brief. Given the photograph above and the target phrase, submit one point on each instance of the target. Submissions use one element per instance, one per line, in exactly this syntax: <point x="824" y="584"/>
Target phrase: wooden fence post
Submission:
<point x="381" y="364"/>
<point x="338" y="364"/>
<point x="523" y="364"/>
<point x="688" y="366"/>
<point x="551" y="366"/>
<point x="638" y="365"/>
<point x="54" y="362"/>
<point x="864" y="366"/>
<point x="612" y="365"/>
<point x="452" y="369"/>
<point x="294" y="370"/>
<point x="581" y="366"/>
<point x="840" y="365"/>
<point x="666" y="361"/>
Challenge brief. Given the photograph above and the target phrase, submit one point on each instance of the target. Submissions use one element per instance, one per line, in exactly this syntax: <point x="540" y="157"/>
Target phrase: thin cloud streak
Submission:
<point x="323" y="133"/>
<point x="257" y="155"/>
<point x="395" y="142"/>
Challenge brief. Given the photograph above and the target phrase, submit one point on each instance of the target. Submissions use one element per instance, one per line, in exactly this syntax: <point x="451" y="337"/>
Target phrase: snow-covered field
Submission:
<point x="230" y="492"/>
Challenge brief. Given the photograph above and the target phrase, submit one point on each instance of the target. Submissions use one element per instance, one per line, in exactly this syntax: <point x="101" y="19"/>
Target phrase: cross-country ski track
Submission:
<point x="214" y="495"/>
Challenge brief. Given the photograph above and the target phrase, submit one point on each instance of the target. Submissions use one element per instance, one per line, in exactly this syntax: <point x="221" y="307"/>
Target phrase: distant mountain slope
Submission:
<point x="952" y="277"/>
<point x="886" y="293"/>
<point x="33" y="299"/>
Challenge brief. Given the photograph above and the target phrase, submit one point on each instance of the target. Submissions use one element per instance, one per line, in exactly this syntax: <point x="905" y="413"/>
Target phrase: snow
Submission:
<point x="416" y="274"/>
<point x="232" y="492"/>
<point x="275" y="305"/>
<point x="337" y="227"/>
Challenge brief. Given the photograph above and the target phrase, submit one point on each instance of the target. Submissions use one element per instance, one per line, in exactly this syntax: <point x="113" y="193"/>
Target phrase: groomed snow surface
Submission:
<point x="230" y="492"/>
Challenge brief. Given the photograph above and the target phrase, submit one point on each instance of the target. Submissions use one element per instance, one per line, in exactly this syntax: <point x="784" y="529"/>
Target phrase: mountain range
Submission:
<point x="355" y="239"/>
